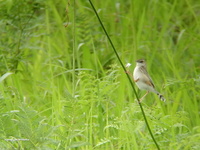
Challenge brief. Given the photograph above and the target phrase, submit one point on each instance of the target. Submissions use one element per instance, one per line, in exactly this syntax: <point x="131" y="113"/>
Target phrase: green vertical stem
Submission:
<point x="74" y="49"/>
<point x="115" y="51"/>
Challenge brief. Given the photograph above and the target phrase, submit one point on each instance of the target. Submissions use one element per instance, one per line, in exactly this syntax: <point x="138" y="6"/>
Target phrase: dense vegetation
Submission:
<point x="62" y="87"/>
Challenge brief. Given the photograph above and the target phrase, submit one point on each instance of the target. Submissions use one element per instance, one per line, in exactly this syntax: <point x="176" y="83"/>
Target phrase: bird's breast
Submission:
<point x="136" y="73"/>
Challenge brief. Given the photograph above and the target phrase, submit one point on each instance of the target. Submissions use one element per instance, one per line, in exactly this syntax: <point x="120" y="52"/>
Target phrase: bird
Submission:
<point x="143" y="80"/>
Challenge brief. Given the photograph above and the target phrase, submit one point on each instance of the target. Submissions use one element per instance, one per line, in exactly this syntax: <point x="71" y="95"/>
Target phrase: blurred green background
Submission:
<point x="62" y="87"/>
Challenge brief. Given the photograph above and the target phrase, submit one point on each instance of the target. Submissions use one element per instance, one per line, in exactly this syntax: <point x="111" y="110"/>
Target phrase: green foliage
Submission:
<point x="61" y="86"/>
<point x="17" y="25"/>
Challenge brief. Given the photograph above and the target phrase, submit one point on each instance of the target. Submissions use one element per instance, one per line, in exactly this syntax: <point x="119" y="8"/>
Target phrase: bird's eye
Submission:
<point x="140" y="61"/>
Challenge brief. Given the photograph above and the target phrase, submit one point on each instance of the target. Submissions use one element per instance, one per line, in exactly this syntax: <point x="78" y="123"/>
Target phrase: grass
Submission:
<point x="61" y="86"/>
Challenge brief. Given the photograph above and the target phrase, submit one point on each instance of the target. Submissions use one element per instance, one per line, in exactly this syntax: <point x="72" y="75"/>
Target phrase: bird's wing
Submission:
<point x="146" y="75"/>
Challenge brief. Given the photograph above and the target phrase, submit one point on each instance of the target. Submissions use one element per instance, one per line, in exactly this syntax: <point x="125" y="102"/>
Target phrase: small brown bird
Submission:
<point x="143" y="80"/>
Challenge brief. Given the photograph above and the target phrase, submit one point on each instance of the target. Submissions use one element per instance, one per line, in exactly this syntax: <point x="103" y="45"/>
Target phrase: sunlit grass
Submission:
<point x="67" y="89"/>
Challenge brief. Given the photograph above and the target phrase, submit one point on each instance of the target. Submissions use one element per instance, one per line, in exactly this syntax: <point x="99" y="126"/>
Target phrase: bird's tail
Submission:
<point x="161" y="97"/>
